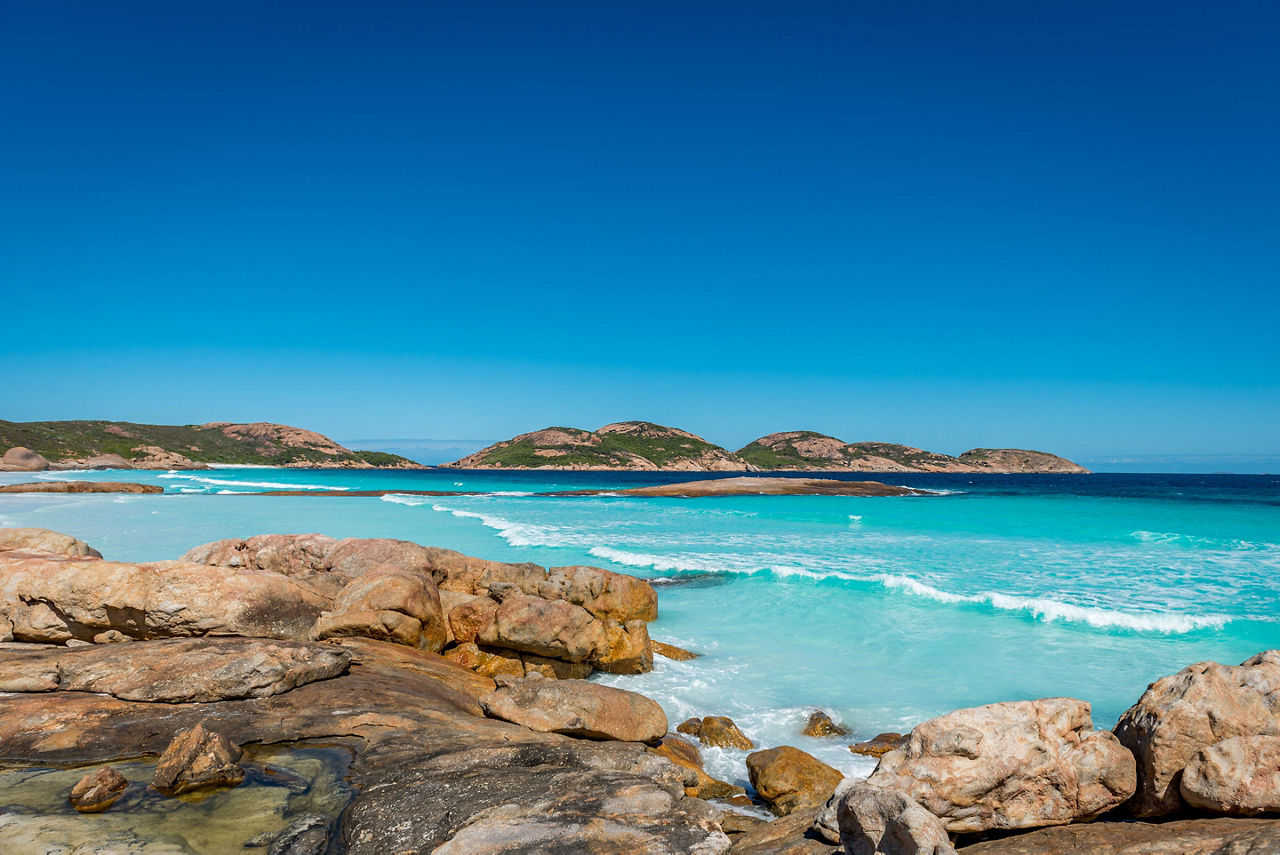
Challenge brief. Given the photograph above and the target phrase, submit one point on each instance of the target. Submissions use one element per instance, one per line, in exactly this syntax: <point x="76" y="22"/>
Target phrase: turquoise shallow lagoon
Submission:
<point x="883" y="611"/>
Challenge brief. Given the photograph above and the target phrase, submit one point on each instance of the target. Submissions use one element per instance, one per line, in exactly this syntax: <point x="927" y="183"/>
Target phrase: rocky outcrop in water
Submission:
<point x="81" y="487"/>
<point x="98" y="790"/>
<point x="717" y="731"/>
<point x="198" y="759"/>
<point x="789" y="779"/>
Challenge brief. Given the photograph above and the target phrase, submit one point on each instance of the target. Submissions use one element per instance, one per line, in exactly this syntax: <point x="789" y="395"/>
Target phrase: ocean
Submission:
<point x="881" y="611"/>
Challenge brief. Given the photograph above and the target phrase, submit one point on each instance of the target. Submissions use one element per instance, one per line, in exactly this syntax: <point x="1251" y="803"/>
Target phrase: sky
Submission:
<point x="946" y="224"/>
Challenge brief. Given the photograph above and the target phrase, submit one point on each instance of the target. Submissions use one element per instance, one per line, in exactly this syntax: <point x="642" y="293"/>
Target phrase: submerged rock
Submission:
<point x="98" y="790"/>
<point x="1019" y="764"/>
<point x="788" y="778"/>
<point x="820" y="724"/>
<point x="1200" y="706"/>
<point x="577" y="708"/>
<point x="670" y="651"/>
<point x="197" y="759"/>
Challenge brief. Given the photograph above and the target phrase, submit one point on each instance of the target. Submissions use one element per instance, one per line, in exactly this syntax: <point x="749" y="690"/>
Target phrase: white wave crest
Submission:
<point x="1176" y="539"/>
<point x="1049" y="610"/>
<point x="514" y="533"/>
<point x="272" y="485"/>
<point x="659" y="562"/>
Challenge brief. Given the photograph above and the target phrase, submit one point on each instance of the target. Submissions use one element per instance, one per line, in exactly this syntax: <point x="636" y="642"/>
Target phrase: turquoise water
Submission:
<point x="883" y="611"/>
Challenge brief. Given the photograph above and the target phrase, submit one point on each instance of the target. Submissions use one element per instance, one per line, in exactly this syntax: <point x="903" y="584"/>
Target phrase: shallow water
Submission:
<point x="36" y="817"/>
<point x="883" y="611"/>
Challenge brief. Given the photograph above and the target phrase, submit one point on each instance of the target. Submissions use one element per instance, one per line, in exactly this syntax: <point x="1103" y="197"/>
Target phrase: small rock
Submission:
<point x="718" y="731"/>
<point x="820" y="724"/>
<point x="670" y="651"/>
<point x="684" y="753"/>
<point x="98" y="790"/>
<point x="788" y="778"/>
<point x="195" y="759"/>
<point x="879" y="745"/>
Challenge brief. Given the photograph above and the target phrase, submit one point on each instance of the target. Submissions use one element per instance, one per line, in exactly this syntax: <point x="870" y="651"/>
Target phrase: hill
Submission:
<point x="105" y="444"/>
<point x="624" y="445"/>
<point x="810" y="451"/>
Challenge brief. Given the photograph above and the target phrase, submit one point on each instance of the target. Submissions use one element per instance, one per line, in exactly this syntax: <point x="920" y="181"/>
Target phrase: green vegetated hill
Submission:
<point x="648" y="446"/>
<point x="811" y="451"/>
<point x="179" y="446"/>
<point x="624" y="445"/>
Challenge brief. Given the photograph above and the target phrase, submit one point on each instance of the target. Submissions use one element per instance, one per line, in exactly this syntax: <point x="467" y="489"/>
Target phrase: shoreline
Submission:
<point x="526" y="636"/>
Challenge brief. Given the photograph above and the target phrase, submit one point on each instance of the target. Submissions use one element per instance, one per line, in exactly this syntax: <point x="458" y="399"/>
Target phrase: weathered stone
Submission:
<point x="556" y="669"/>
<point x="684" y="753"/>
<point x="468" y="619"/>
<point x="44" y="540"/>
<point x="1196" y="708"/>
<point x="488" y="662"/>
<point x="626" y="648"/>
<point x="1020" y="764"/>
<point x="1240" y="775"/>
<point x="308" y="835"/>
<point x="98" y="790"/>
<point x="577" y="708"/>
<point x="820" y="725"/>
<point x="874" y="821"/>
<point x="197" y="759"/>
<point x="670" y="651"/>
<point x="788" y="835"/>
<point x="83" y="487"/>
<point x="788" y="778"/>
<point x="718" y="731"/>
<point x="387" y="605"/>
<point x="603" y="593"/>
<point x="553" y="628"/>
<point x="19" y="459"/>
<point x="52" y="598"/>
<point x="879" y="745"/>
<point x="1220" y="836"/>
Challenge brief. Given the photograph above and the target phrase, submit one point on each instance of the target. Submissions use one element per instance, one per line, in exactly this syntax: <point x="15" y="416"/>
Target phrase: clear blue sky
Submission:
<point x="948" y="224"/>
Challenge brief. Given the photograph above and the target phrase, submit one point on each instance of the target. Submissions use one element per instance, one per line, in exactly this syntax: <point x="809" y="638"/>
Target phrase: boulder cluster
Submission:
<point x="459" y="686"/>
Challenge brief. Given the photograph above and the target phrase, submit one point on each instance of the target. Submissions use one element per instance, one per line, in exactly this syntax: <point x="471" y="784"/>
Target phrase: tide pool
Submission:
<point x="882" y="611"/>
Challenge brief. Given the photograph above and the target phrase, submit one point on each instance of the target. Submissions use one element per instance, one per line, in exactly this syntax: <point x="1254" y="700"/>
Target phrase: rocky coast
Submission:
<point x="300" y="694"/>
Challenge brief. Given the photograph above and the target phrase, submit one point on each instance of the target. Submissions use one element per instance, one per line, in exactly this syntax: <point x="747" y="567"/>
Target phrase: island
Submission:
<point x="754" y="486"/>
<point x="39" y="446"/>
<point x="645" y="446"/>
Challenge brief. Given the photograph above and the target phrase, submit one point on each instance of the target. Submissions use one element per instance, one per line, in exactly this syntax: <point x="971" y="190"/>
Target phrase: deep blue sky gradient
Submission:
<point x="942" y="223"/>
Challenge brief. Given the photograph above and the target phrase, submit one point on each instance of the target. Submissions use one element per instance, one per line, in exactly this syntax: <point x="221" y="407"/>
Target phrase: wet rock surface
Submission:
<point x="821" y="725"/>
<point x="789" y="779"/>
<point x="97" y="791"/>
<point x="196" y="759"/>
<point x="717" y="731"/>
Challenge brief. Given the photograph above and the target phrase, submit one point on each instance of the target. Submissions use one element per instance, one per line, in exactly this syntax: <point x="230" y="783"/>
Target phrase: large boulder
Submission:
<point x="54" y="598"/>
<point x="1196" y="708"/>
<point x="468" y="617"/>
<point x="1240" y="776"/>
<point x="387" y="605"/>
<point x="19" y="459"/>
<point x="177" y="670"/>
<point x="577" y="708"/>
<point x="197" y="759"/>
<point x="626" y="648"/>
<point x="874" y="821"/>
<point x="788" y="778"/>
<point x="44" y="540"/>
<point x="1019" y="764"/>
